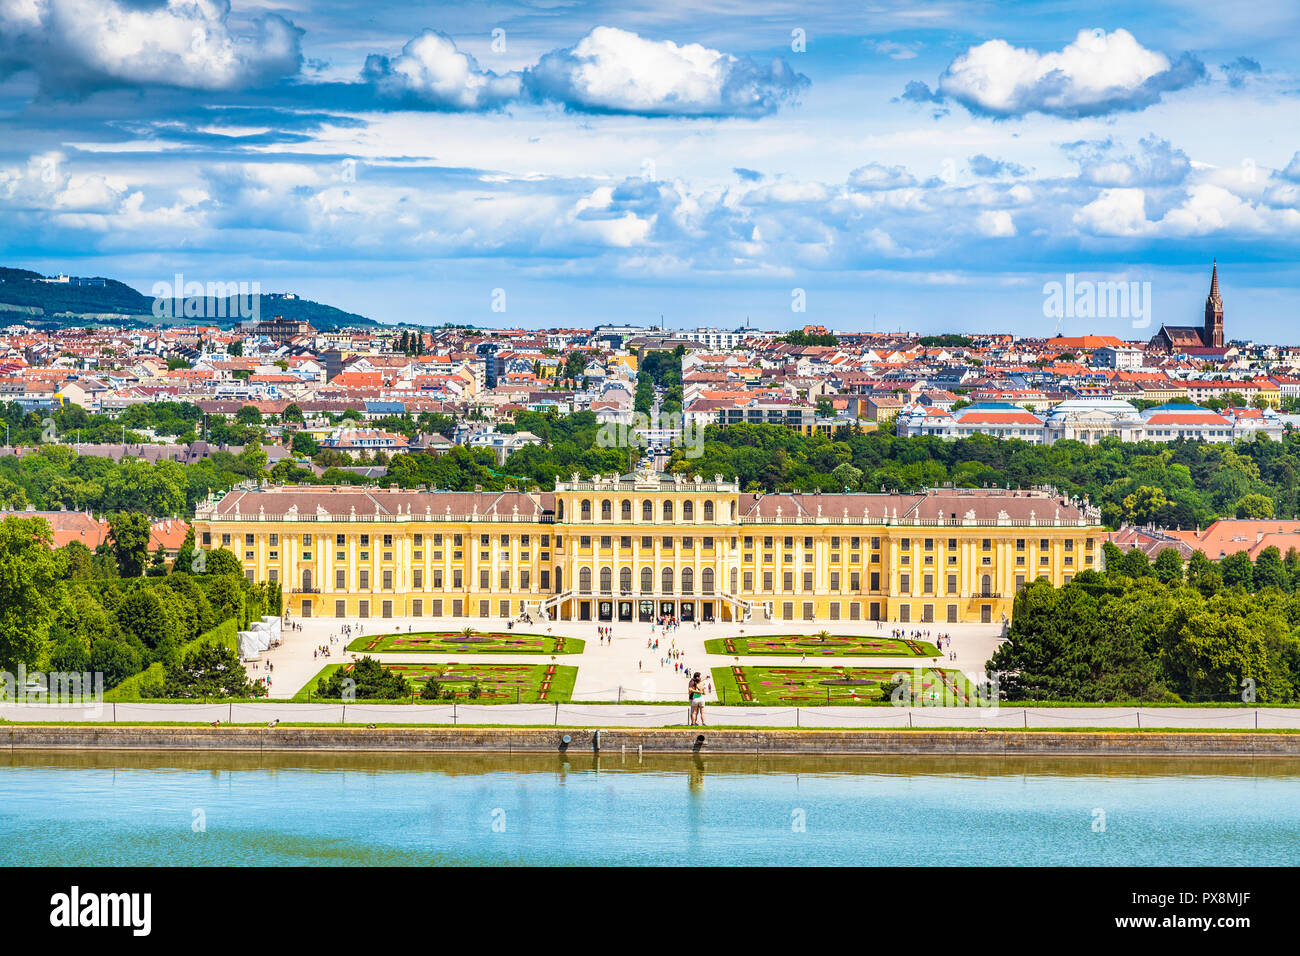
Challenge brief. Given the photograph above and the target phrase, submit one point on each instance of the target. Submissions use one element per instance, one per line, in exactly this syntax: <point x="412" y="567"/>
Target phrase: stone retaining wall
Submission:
<point x="549" y="740"/>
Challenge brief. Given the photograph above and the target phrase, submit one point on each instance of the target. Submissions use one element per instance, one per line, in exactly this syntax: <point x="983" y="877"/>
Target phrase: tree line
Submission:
<point x="1226" y="631"/>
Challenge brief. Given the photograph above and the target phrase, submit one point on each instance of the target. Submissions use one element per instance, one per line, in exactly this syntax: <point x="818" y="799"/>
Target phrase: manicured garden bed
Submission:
<point x="476" y="642"/>
<point x="498" y="683"/>
<point x="834" y="645"/>
<point x="813" y="686"/>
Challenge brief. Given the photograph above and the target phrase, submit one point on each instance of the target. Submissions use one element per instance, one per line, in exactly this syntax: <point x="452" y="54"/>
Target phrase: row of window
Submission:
<point x="625" y="510"/>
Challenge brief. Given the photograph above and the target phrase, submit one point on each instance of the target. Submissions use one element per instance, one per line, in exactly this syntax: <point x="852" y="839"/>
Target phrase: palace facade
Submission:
<point x="640" y="546"/>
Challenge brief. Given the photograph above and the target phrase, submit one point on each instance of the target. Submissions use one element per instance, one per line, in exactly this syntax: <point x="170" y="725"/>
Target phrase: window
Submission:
<point x="505" y="580"/>
<point x="688" y="580"/>
<point x="647" y="580"/>
<point x="625" y="580"/>
<point x="586" y="510"/>
<point x="625" y="510"/>
<point x="606" y="580"/>
<point x="688" y="511"/>
<point x="647" y="511"/>
<point x="706" y="580"/>
<point x="340" y="579"/>
<point x="388" y="541"/>
<point x="807" y="580"/>
<point x="667" y="579"/>
<point x="668" y="511"/>
<point x="708" y="511"/>
<point x="584" y="581"/>
<point x="484" y="579"/>
<point x="606" y="510"/>
<point x="365" y="579"/>
<point x="417" y="578"/>
<point x="417" y="608"/>
<point x="388" y="580"/>
<point x="787" y="581"/>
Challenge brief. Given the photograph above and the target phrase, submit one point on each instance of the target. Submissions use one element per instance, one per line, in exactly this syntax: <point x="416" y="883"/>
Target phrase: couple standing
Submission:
<point x="695" y="692"/>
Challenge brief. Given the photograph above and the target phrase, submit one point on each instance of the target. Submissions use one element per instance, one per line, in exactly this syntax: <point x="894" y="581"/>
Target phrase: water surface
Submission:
<point x="375" y="809"/>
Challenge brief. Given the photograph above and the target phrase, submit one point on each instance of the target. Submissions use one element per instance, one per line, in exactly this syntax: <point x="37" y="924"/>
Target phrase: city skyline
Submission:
<point x="929" y="168"/>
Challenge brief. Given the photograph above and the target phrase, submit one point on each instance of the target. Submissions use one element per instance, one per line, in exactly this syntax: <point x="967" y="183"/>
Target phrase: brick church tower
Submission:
<point x="1213" y="334"/>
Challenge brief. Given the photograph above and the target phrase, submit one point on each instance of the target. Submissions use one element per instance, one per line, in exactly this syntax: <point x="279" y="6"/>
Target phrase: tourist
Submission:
<point x="696" y="692"/>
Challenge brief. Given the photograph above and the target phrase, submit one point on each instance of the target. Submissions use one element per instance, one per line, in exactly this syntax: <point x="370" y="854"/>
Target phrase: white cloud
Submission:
<point x="1116" y="212"/>
<point x="876" y="176"/>
<point x="431" y="69"/>
<point x="995" y="223"/>
<point x="1098" y="73"/>
<point x="76" y="46"/>
<point x="612" y="70"/>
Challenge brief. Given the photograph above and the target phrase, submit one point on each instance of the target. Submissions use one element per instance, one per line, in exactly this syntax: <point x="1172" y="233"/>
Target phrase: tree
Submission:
<point x="1211" y="655"/>
<point x="222" y="561"/>
<point x="248" y="415"/>
<point x="158" y="563"/>
<point x="29" y="590"/>
<point x="1168" y="567"/>
<point x="209" y="670"/>
<point x="144" y="617"/>
<point x="130" y="534"/>
<point x="1269" y="571"/>
<point x="1255" y="506"/>
<point x="367" y="680"/>
<point x="292" y="413"/>
<point x="1237" y="570"/>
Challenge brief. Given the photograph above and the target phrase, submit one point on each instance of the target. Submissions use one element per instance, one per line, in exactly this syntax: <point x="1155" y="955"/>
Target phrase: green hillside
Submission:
<point x="25" y="299"/>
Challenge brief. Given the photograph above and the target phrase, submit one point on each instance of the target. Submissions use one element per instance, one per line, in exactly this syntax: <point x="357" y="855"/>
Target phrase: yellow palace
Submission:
<point x="641" y="546"/>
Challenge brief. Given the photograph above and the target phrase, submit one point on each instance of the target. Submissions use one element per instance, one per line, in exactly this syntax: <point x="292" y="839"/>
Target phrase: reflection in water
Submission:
<point x="580" y="807"/>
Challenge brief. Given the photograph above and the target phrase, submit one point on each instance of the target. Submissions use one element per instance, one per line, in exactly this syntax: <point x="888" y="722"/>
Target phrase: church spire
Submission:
<point x="1212" y="334"/>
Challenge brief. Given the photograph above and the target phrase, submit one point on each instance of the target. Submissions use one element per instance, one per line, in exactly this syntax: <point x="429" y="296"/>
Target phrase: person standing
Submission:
<point x="695" y="690"/>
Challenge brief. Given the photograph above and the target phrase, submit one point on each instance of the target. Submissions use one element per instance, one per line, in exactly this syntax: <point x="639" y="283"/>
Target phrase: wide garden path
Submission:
<point x="624" y="669"/>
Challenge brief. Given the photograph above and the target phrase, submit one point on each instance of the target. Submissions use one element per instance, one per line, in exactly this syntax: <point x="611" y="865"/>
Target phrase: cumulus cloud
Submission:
<point x="77" y="46"/>
<point x="876" y="176"/>
<point x="1158" y="163"/>
<point x="1097" y="74"/>
<point x="1116" y="212"/>
<point x="615" y="71"/>
<point x="431" y="70"/>
<point x="995" y="223"/>
<point x="989" y="168"/>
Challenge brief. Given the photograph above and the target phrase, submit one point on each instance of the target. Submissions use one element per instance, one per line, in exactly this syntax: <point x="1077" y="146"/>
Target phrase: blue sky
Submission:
<point x="907" y="165"/>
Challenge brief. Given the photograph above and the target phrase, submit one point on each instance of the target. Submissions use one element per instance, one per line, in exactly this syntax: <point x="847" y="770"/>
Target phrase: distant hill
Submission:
<point x="27" y="299"/>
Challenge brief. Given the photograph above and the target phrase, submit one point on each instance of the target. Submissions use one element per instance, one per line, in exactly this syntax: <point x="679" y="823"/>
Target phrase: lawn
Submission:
<point x="835" y="645"/>
<point x="810" y="686"/>
<point x="476" y="642"/>
<point x="498" y="683"/>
